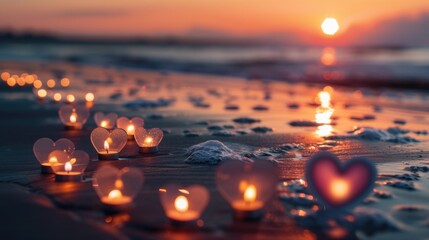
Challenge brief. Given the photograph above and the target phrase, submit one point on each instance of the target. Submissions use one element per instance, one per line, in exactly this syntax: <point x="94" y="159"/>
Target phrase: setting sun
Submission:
<point x="330" y="26"/>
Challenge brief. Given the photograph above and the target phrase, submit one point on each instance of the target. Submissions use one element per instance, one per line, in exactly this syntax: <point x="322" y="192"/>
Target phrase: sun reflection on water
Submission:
<point x="324" y="113"/>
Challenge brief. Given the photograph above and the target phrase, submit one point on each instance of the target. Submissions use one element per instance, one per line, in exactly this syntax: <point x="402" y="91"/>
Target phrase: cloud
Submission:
<point x="402" y="31"/>
<point x="92" y="13"/>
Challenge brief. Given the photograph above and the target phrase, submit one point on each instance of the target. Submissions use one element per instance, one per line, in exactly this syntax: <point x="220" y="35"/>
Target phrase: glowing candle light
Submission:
<point x="184" y="204"/>
<point x="108" y="144"/>
<point x="57" y="97"/>
<point x="5" y="76"/>
<point x="339" y="189"/>
<point x="43" y="149"/>
<point x="11" y="82"/>
<point x="247" y="187"/>
<point x="130" y="125"/>
<point x="51" y="83"/>
<point x="250" y="194"/>
<point x="181" y="204"/>
<point x="117" y="188"/>
<point x="70" y="98"/>
<point x="41" y="94"/>
<point x="65" y="82"/>
<point x="148" y="140"/>
<point x="73" y="116"/>
<point x="37" y="84"/>
<point x="130" y="129"/>
<point x="107" y="121"/>
<point x="89" y="97"/>
<point x="72" y="165"/>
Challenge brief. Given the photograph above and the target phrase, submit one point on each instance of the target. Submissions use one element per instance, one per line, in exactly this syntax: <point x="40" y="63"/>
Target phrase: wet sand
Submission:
<point x="76" y="205"/>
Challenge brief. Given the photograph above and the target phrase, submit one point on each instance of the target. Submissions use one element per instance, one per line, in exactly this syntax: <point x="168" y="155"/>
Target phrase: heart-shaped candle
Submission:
<point x="44" y="146"/>
<point x="247" y="186"/>
<point x="71" y="167"/>
<point x="339" y="185"/>
<point x="184" y="204"/>
<point x="73" y="117"/>
<point x="108" y="144"/>
<point x="148" y="140"/>
<point x="107" y="121"/>
<point x="117" y="188"/>
<point x="130" y="125"/>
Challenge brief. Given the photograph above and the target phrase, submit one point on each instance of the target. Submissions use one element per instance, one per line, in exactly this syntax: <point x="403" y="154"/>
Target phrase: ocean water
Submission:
<point x="376" y="66"/>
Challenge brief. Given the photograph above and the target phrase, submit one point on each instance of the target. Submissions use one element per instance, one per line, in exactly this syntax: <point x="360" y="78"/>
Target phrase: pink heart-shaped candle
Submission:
<point x="107" y="121"/>
<point x="108" y="144"/>
<point x="130" y="125"/>
<point x="44" y="146"/>
<point x="148" y="140"/>
<point x="71" y="165"/>
<point x="117" y="187"/>
<point x="184" y="204"/>
<point x="247" y="186"/>
<point x="339" y="185"/>
<point x="73" y="117"/>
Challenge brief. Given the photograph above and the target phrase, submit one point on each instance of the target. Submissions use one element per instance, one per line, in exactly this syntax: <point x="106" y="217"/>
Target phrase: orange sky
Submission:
<point x="236" y="17"/>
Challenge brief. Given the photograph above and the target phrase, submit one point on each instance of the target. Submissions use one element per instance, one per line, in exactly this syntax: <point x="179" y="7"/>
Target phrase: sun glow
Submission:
<point x="330" y="26"/>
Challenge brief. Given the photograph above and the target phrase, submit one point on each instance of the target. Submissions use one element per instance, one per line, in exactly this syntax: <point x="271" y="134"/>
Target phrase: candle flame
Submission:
<point x="103" y="123"/>
<point x="115" y="194"/>
<point x="148" y="140"/>
<point x="73" y="116"/>
<point x="250" y="193"/>
<point x="181" y="204"/>
<point x="53" y="160"/>
<point x="68" y="167"/>
<point x="340" y="189"/>
<point x="130" y="129"/>
<point x="106" y="146"/>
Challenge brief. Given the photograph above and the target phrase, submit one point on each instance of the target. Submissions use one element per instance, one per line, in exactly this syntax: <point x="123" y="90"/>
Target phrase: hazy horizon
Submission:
<point x="361" y="22"/>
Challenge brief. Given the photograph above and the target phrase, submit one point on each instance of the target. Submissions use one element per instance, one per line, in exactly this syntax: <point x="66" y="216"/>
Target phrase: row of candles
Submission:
<point x="246" y="186"/>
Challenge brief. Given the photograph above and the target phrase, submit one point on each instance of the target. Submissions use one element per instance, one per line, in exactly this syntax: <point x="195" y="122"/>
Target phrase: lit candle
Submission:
<point x="68" y="175"/>
<point x="107" y="143"/>
<point x="103" y="123"/>
<point x="73" y="117"/>
<point x="107" y="121"/>
<point x="108" y="154"/>
<point x="247" y="187"/>
<point x="130" y="130"/>
<point x="249" y="200"/>
<point x="130" y="125"/>
<point x="47" y="166"/>
<point x="148" y="140"/>
<point x="117" y="193"/>
<point x="184" y="205"/>
<point x="115" y="197"/>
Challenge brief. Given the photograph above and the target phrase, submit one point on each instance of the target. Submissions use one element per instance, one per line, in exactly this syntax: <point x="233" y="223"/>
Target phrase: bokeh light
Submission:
<point x="57" y="97"/>
<point x="11" y="82"/>
<point x="37" y="84"/>
<point x="5" y="76"/>
<point x="65" y="82"/>
<point x="51" y="83"/>
<point x="70" y="98"/>
<point x="89" y="97"/>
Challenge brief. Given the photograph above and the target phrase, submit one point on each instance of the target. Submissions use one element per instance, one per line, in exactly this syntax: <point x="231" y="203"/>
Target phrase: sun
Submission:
<point x="330" y="26"/>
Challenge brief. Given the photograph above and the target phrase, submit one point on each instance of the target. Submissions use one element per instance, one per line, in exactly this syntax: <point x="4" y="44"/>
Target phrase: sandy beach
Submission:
<point x="256" y="119"/>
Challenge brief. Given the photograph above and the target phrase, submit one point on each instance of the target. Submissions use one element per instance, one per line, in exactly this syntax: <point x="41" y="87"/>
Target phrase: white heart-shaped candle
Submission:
<point x="117" y="188"/>
<point x="108" y="144"/>
<point x="71" y="167"/>
<point x="73" y="116"/>
<point x="247" y="186"/>
<point x="184" y="204"/>
<point x="107" y="121"/>
<point x="43" y="147"/>
<point x="148" y="140"/>
<point x="130" y="125"/>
